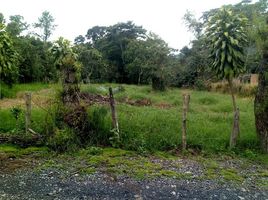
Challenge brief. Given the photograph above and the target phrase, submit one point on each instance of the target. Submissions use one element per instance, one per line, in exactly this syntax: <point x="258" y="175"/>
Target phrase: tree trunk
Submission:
<point x="139" y="79"/>
<point x="235" y="130"/>
<point x="28" y="103"/>
<point x="185" y="108"/>
<point x="261" y="104"/>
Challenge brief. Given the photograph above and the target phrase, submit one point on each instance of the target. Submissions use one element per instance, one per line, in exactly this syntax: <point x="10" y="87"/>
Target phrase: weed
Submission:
<point x="231" y="175"/>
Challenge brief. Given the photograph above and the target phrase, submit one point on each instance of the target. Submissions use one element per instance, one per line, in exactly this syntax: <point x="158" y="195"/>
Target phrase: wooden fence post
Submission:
<point x="114" y="115"/>
<point x="185" y="108"/>
<point x="28" y="113"/>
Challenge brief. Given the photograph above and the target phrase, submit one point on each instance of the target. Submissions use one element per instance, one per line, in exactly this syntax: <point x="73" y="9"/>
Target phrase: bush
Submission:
<point x="200" y="85"/>
<point x="158" y="83"/>
<point x="6" y="91"/>
<point x="63" y="140"/>
<point x="77" y="119"/>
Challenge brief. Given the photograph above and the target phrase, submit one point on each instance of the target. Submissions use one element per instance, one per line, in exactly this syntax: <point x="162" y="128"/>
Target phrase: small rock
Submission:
<point x="137" y="197"/>
<point x="22" y="183"/>
<point x="242" y="198"/>
<point x="173" y="193"/>
<point x="147" y="187"/>
<point x="173" y="186"/>
<point x="243" y="190"/>
<point x="76" y="175"/>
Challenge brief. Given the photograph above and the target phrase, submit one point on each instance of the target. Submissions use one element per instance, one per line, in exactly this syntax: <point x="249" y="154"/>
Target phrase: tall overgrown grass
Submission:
<point x="241" y="89"/>
<point x="158" y="126"/>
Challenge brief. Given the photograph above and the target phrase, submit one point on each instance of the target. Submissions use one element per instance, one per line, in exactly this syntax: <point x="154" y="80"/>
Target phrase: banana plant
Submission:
<point x="8" y="58"/>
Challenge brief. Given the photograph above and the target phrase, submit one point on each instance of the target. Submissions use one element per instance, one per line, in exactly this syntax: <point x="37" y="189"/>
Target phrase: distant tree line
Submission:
<point x="120" y="53"/>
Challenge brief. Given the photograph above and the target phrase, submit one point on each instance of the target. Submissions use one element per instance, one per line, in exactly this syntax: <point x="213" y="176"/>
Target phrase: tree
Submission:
<point x="67" y="63"/>
<point x="193" y="24"/>
<point x="16" y="25"/>
<point x="94" y="67"/>
<point x="8" y="58"/>
<point x="226" y="35"/>
<point x="136" y="57"/>
<point x="36" y="62"/>
<point x="261" y="98"/>
<point x="2" y="18"/>
<point x="158" y="61"/>
<point x="46" y="25"/>
<point x="79" y="40"/>
<point x="96" y="33"/>
<point x="112" y="41"/>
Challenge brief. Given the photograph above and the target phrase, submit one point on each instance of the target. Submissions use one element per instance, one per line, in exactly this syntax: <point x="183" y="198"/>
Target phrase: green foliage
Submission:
<point x="112" y="41"/>
<point x="137" y="57"/>
<point x="98" y="117"/>
<point x="66" y="61"/>
<point x="226" y="34"/>
<point x="8" y="58"/>
<point x="36" y="63"/>
<point x="158" y="83"/>
<point x="16" y="25"/>
<point x="63" y="140"/>
<point x="16" y="111"/>
<point x="94" y="66"/>
<point x="46" y="25"/>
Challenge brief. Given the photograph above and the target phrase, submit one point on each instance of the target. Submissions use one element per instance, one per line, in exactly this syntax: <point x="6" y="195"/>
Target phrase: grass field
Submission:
<point x="155" y="124"/>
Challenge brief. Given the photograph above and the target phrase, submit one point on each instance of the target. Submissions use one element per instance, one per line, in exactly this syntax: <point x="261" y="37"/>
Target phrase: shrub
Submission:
<point x="158" y="83"/>
<point x="63" y="140"/>
<point x="77" y="118"/>
<point x="201" y="85"/>
<point x="6" y="91"/>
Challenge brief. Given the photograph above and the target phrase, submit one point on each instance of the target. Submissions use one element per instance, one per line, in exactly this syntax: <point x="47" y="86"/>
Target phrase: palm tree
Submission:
<point x="226" y="36"/>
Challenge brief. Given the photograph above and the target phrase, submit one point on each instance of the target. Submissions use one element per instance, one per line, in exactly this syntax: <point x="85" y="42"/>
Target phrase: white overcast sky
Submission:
<point x="75" y="17"/>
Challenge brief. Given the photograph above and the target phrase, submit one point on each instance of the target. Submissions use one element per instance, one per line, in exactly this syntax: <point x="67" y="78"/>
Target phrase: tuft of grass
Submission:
<point x="6" y="148"/>
<point x="231" y="175"/>
<point x="208" y="101"/>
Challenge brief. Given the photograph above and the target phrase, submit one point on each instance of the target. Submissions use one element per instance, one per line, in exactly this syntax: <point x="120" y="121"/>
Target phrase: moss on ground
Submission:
<point x="118" y="162"/>
<point x="231" y="175"/>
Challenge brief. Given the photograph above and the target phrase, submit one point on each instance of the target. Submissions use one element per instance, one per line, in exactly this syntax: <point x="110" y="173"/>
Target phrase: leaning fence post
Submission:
<point x="114" y="115"/>
<point x="28" y="103"/>
<point x="185" y="108"/>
